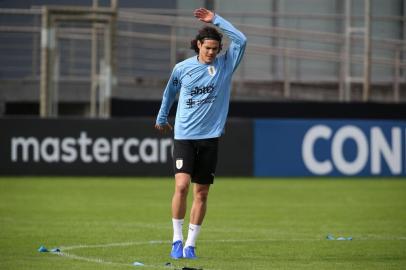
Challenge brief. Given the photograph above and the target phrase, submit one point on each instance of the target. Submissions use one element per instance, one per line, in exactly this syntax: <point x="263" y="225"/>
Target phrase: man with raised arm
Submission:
<point x="203" y="83"/>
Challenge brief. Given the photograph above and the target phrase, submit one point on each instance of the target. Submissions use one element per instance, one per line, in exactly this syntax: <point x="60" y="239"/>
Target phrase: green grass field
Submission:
<point x="251" y="223"/>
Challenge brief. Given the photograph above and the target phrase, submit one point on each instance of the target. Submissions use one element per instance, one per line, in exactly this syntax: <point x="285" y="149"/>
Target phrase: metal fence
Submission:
<point x="150" y="41"/>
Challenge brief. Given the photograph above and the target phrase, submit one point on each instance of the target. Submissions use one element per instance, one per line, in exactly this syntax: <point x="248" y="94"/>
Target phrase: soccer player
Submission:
<point x="204" y="84"/>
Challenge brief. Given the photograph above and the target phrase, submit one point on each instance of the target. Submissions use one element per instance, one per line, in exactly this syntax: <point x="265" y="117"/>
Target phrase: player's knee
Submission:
<point x="182" y="190"/>
<point x="202" y="195"/>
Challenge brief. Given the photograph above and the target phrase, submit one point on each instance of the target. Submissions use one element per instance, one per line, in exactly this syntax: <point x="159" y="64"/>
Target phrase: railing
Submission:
<point x="150" y="42"/>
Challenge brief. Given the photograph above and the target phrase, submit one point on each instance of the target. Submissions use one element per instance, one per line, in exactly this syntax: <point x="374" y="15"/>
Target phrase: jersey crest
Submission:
<point x="212" y="70"/>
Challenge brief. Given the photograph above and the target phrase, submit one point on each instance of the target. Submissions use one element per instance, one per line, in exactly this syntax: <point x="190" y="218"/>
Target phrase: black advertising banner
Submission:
<point x="127" y="147"/>
<point x="236" y="154"/>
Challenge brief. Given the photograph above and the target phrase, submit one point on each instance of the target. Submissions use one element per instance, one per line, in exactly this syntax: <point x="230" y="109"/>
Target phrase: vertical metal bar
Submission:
<point x="347" y="53"/>
<point x="107" y="71"/>
<point x="44" y="63"/>
<point x="93" y="75"/>
<point x="274" y="40"/>
<point x="51" y="68"/>
<point x="341" y="48"/>
<point x="55" y="80"/>
<point x="367" y="50"/>
<point x="113" y="63"/>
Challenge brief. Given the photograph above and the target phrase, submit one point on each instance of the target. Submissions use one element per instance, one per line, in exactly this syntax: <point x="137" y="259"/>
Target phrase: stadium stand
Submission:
<point x="302" y="52"/>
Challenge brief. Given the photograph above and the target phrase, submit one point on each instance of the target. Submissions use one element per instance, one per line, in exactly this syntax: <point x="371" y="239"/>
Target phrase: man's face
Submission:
<point x="208" y="50"/>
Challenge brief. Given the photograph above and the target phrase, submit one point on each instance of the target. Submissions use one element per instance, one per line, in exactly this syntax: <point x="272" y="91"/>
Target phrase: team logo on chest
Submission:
<point x="212" y="70"/>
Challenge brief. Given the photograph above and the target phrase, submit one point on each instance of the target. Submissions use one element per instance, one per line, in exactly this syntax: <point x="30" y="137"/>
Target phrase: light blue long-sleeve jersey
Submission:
<point x="204" y="90"/>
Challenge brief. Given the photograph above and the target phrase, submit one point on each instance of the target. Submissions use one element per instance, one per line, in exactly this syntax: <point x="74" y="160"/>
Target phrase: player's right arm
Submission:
<point x="172" y="88"/>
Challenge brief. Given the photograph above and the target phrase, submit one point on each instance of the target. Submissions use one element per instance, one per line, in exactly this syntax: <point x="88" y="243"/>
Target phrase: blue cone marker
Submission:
<point x="43" y="249"/>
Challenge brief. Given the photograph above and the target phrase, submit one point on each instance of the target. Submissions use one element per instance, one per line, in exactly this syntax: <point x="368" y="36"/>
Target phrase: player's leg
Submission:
<point x="183" y="164"/>
<point x="197" y="213"/>
<point x="182" y="181"/>
<point x="199" y="206"/>
<point x="203" y="177"/>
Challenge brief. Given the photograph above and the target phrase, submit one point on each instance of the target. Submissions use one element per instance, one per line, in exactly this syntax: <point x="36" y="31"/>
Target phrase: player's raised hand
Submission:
<point x="164" y="128"/>
<point x="204" y="15"/>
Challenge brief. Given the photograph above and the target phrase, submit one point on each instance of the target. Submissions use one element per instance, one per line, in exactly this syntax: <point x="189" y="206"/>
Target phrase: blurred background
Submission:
<point x="314" y="50"/>
<point x="111" y="59"/>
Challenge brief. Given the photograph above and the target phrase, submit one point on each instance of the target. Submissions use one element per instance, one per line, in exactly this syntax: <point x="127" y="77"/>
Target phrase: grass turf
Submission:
<point x="251" y="223"/>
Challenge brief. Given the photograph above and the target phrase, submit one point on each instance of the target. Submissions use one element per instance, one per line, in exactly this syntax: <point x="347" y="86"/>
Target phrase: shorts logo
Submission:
<point x="179" y="164"/>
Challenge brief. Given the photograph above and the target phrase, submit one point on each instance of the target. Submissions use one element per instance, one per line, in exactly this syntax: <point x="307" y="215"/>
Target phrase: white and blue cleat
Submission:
<point x="177" y="250"/>
<point x="189" y="253"/>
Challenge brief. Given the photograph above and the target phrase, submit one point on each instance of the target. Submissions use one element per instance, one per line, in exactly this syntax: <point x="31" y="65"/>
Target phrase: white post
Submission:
<point x="93" y="75"/>
<point x="347" y="53"/>
<point x="44" y="63"/>
<point x="367" y="50"/>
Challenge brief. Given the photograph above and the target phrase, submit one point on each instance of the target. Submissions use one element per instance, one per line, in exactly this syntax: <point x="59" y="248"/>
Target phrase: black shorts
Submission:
<point x="197" y="158"/>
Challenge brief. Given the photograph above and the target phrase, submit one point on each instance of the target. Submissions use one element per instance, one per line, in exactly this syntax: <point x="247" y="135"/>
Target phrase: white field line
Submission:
<point x="86" y="259"/>
<point x="101" y="261"/>
<point x="159" y="242"/>
<point x="69" y="255"/>
<point x="122" y="244"/>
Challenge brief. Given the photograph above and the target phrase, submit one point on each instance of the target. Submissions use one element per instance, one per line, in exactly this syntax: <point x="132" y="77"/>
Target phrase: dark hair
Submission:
<point x="206" y="33"/>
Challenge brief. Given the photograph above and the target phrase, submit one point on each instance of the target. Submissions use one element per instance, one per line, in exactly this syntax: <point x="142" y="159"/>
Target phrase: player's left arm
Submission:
<point x="236" y="50"/>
